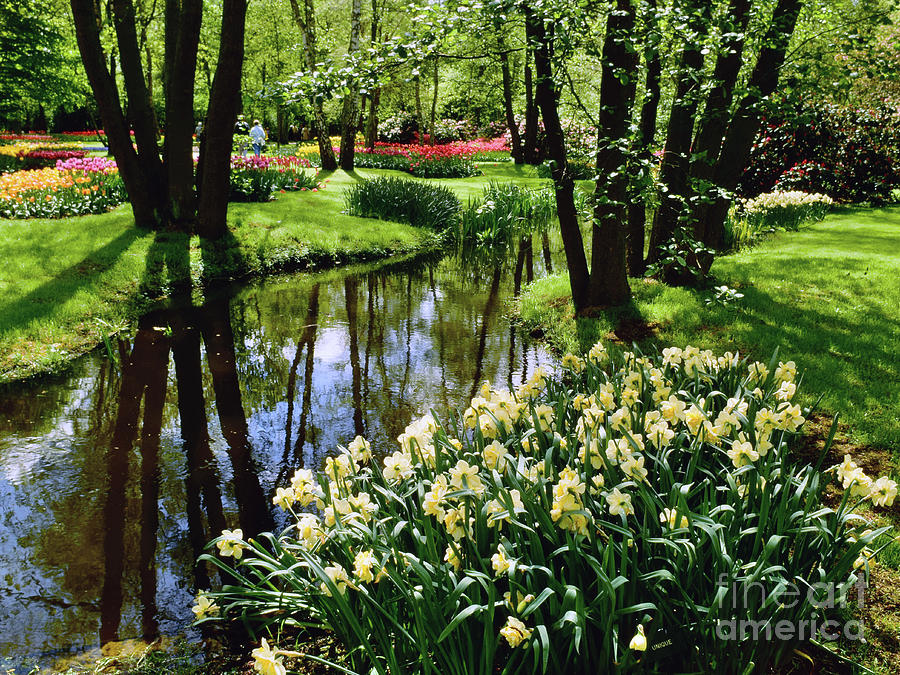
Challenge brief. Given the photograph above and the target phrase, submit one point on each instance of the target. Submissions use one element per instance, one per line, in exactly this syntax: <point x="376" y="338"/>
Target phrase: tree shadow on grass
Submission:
<point x="41" y="302"/>
<point x="168" y="267"/>
<point x="851" y="362"/>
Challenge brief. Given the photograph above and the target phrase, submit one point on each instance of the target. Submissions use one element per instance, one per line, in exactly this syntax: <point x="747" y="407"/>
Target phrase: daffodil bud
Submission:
<point x="639" y="641"/>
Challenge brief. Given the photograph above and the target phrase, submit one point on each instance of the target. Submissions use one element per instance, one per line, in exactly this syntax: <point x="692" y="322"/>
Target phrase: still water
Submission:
<point x="113" y="477"/>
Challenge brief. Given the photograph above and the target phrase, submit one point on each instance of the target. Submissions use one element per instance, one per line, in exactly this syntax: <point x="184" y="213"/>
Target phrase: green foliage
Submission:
<point x="579" y="169"/>
<point x="680" y="260"/>
<point x="506" y="212"/>
<point x="434" y="207"/>
<point x="544" y="530"/>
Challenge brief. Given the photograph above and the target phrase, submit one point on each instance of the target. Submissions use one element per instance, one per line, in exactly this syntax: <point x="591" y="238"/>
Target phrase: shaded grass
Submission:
<point x="826" y="296"/>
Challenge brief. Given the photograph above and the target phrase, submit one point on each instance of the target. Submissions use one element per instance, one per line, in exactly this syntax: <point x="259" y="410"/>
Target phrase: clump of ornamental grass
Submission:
<point x="420" y="204"/>
<point x="572" y="525"/>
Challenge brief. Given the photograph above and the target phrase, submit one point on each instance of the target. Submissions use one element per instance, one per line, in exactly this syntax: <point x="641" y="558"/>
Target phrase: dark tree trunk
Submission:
<point x="434" y="99"/>
<point x="224" y="103"/>
<point x="514" y="141"/>
<point x="372" y="120"/>
<point x="306" y="22"/>
<point x="182" y="39"/>
<point x="637" y="209"/>
<point x="674" y="170"/>
<point x="140" y="174"/>
<point x="714" y="120"/>
<point x="547" y="99"/>
<point x="350" y="109"/>
<point x="609" y="280"/>
<point x="744" y="124"/>
<point x="530" y="151"/>
<point x="420" y="120"/>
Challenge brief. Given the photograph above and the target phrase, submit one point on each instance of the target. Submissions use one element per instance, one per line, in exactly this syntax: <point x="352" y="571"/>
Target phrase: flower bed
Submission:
<point x="449" y="160"/>
<point x="256" y="179"/>
<point x="570" y="526"/>
<point x="55" y="193"/>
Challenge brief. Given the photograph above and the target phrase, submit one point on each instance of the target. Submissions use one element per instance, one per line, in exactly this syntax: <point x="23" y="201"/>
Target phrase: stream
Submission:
<point x="114" y="476"/>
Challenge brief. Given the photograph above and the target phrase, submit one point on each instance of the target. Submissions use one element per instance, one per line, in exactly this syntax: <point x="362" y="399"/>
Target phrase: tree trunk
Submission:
<point x="372" y="121"/>
<point x="637" y="209"/>
<point x="306" y="22"/>
<point x="547" y="99"/>
<point x="434" y="99"/>
<point x="420" y="121"/>
<point x="224" y="103"/>
<point x="514" y="141"/>
<point x="350" y="109"/>
<point x="530" y="151"/>
<point x="714" y="120"/>
<point x="674" y="170"/>
<point x="744" y="124"/>
<point x="182" y="39"/>
<point x="143" y="192"/>
<point x="609" y="281"/>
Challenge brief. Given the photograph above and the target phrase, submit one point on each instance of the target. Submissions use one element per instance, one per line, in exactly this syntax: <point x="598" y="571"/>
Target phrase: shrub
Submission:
<point x="565" y="527"/>
<point x="420" y="204"/>
<point x="506" y="212"/>
<point x="398" y="128"/>
<point x="578" y="168"/>
<point x="852" y="155"/>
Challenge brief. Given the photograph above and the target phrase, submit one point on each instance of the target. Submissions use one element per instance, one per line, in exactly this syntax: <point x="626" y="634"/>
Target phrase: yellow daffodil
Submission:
<point x="883" y="492"/>
<point x="362" y="566"/>
<point x="266" y="660"/>
<point x="231" y="544"/>
<point x="204" y="607"/>
<point x="515" y="632"/>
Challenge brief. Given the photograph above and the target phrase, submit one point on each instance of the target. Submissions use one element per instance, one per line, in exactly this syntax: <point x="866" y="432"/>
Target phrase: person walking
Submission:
<point x="257" y="137"/>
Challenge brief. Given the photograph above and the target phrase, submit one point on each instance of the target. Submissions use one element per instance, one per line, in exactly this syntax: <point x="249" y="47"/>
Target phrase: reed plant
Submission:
<point x="421" y="204"/>
<point x="506" y="213"/>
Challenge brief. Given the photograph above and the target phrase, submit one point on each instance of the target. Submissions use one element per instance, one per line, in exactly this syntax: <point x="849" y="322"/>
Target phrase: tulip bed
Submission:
<point x="573" y="525"/>
<point x="256" y="179"/>
<point x="447" y="160"/>
<point x="74" y="190"/>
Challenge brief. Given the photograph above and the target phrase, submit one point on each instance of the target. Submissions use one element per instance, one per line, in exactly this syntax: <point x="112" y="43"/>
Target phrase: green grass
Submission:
<point x="826" y="296"/>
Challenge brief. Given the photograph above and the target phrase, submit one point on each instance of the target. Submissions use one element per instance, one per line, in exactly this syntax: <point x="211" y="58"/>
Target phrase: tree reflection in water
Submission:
<point x="212" y="408"/>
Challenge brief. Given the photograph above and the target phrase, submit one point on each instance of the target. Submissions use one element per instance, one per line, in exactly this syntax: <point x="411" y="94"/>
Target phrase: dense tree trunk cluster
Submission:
<point x="162" y="189"/>
<point x="707" y="139"/>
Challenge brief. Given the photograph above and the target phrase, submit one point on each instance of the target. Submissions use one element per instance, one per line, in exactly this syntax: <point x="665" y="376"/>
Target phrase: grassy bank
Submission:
<point x="66" y="282"/>
<point x="826" y="297"/>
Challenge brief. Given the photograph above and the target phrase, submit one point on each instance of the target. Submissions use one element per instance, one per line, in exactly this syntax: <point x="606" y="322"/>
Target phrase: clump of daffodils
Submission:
<point x="787" y="209"/>
<point x="531" y="516"/>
